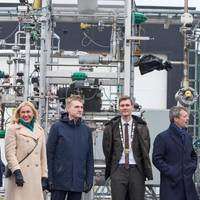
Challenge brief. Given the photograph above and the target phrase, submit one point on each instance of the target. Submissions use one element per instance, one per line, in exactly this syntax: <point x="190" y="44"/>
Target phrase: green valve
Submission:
<point x="2" y="133"/>
<point x="78" y="76"/>
<point x="139" y="17"/>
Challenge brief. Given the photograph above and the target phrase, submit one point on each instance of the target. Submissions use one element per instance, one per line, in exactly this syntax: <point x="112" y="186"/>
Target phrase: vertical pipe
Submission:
<point x="113" y="42"/>
<point x="185" y="6"/>
<point x="45" y="52"/>
<point x="196" y="109"/>
<point x="15" y="68"/>
<point x="197" y="65"/>
<point x="43" y="62"/>
<point x="127" y="47"/>
<point x="27" y="65"/>
<point x="16" y="50"/>
<point x="132" y="51"/>
<point x="185" y="63"/>
<point x="185" y="53"/>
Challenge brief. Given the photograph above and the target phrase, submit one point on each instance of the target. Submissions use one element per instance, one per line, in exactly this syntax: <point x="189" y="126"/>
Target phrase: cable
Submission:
<point x="91" y="97"/>
<point x="91" y="41"/>
<point x="11" y="33"/>
<point x="109" y="99"/>
<point x="84" y="39"/>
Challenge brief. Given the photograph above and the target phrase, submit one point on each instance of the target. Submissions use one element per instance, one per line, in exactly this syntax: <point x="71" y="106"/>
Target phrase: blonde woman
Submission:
<point x="25" y="151"/>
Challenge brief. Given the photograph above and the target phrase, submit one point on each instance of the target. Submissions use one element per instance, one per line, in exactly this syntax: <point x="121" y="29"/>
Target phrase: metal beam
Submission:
<point x="68" y="74"/>
<point x="66" y="81"/>
<point x="106" y="11"/>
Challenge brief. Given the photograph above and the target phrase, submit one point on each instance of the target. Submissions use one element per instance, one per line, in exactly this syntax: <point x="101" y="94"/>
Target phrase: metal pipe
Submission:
<point x="58" y="38"/>
<point x="113" y="41"/>
<point x="119" y="87"/>
<point x="127" y="47"/>
<point x="185" y="53"/>
<point x="16" y="54"/>
<point x="177" y="62"/>
<point x="185" y="6"/>
<point x="27" y="65"/>
<point x="196" y="105"/>
<point x="45" y="46"/>
<point x="16" y="36"/>
<point x="43" y="61"/>
<point x="11" y="86"/>
<point x="132" y="51"/>
<point x="76" y="65"/>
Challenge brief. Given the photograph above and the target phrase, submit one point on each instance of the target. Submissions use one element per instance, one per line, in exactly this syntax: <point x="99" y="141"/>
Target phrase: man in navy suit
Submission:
<point x="175" y="158"/>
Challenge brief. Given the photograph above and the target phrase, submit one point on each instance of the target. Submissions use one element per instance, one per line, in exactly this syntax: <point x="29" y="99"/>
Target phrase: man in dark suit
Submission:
<point x="175" y="158"/>
<point x="126" y="144"/>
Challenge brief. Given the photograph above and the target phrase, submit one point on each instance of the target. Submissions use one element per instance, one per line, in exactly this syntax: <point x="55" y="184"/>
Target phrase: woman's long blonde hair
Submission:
<point x="15" y="117"/>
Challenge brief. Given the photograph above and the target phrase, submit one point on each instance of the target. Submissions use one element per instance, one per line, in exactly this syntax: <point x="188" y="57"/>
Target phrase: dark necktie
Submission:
<point x="183" y="137"/>
<point x="183" y="132"/>
<point x="126" y="146"/>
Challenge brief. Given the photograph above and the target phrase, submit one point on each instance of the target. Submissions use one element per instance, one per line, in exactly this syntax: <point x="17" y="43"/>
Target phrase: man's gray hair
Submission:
<point x="175" y="112"/>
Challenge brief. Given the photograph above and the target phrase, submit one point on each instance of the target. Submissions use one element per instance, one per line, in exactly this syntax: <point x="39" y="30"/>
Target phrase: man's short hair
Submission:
<point x="123" y="98"/>
<point x="74" y="98"/>
<point x="175" y="112"/>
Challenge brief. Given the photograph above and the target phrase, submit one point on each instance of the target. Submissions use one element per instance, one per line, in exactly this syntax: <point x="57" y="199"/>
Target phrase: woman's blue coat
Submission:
<point x="70" y="155"/>
<point x="177" y="162"/>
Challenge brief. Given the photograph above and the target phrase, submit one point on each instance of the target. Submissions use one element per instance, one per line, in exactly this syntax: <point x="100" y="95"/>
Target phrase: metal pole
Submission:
<point x="43" y="62"/>
<point x="185" y="6"/>
<point x="113" y="42"/>
<point x="132" y="51"/>
<point x="27" y="66"/>
<point x="185" y="53"/>
<point x="127" y="47"/>
<point x="43" y="59"/>
<point x="197" y="85"/>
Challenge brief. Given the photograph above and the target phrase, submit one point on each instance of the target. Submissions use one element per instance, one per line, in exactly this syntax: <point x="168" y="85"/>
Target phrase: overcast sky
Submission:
<point x="192" y="3"/>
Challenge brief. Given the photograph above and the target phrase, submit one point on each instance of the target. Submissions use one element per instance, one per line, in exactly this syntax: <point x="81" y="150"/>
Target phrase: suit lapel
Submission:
<point x="117" y="136"/>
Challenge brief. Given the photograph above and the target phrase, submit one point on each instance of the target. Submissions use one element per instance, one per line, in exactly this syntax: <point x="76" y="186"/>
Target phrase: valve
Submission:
<point x="84" y="26"/>
<point x="186" y="96"/>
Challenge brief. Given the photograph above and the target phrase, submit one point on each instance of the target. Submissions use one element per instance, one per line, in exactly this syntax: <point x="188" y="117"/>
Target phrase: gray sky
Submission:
<point x="193" y="3"/>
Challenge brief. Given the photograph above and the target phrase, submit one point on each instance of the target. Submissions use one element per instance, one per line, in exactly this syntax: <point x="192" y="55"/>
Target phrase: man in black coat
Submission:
<point x="127" y="160"/>
<point x="175" y="158"/>
<point x="70" y="154"/>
